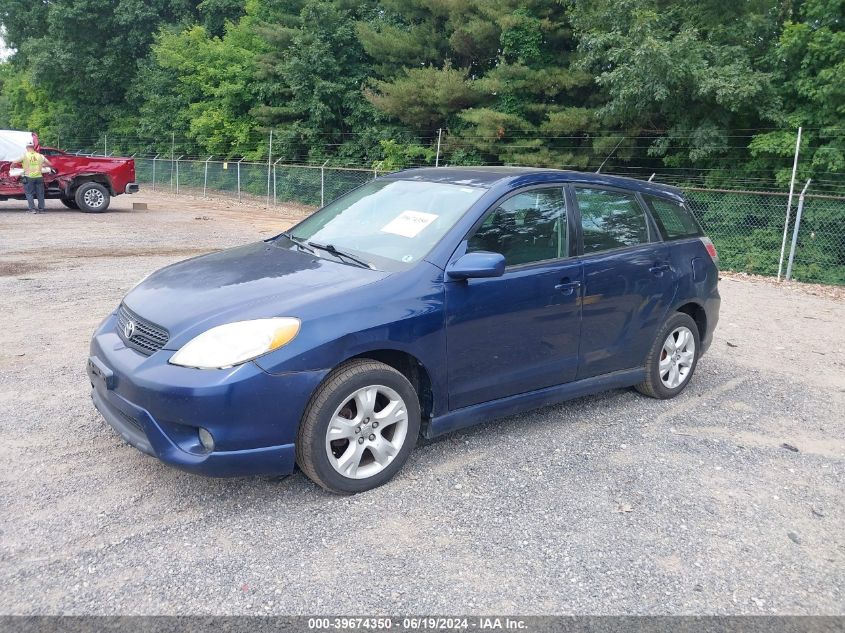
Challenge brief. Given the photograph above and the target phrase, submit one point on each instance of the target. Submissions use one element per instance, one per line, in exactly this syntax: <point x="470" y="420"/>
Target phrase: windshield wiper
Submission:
<point x="298" y="241"/>
<point x="331" y="249"/>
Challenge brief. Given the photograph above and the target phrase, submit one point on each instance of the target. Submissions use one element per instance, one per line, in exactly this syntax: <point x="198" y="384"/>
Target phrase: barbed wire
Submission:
<point x="639" y="153"/>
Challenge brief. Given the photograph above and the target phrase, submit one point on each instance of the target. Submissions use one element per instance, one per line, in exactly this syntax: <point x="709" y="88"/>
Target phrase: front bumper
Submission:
<point x="132" y="187"/>
<point x="158" y="408"/>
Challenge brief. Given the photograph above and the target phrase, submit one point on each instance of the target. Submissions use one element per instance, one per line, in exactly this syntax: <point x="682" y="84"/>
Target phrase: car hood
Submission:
<point x="250" y="282"/>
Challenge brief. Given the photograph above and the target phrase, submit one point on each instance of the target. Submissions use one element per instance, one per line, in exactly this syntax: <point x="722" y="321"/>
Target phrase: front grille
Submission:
<point x="145" y="337"/>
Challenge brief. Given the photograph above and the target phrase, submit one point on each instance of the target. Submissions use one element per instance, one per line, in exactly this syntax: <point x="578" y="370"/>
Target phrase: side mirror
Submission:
<point x="476" y="265"/>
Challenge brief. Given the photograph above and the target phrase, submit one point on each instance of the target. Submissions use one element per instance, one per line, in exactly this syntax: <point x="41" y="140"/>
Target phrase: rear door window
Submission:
<point x="610" y="219"/>
<point x="673" y="219"/>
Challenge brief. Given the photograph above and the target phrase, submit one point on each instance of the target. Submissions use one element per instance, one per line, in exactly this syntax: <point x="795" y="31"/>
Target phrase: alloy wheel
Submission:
<point x="94" y="198"/>
<point x="677" y="357"/>
<point x="367" y="431"/>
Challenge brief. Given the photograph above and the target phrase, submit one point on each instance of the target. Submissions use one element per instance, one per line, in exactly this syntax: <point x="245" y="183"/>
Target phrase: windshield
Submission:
<point x="389" y="221"/>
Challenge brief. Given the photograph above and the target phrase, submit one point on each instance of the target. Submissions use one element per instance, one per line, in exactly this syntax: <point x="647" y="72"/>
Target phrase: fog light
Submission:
<point x="206" y="439"/>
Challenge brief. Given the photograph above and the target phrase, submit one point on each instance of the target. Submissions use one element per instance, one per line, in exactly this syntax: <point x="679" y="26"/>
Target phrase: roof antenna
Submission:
<point x="598" y="171"/>
<point x="650" y="178"/>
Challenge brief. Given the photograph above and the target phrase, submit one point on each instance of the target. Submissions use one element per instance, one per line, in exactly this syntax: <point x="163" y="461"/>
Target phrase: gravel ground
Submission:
<point x="607" y="505"/>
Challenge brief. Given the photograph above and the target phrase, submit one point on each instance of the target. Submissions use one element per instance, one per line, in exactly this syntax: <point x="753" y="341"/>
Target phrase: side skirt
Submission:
<point x="486" y="411"/>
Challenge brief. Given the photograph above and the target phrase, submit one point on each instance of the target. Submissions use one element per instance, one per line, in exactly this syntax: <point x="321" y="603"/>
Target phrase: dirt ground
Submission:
<point x="728" y="499"/>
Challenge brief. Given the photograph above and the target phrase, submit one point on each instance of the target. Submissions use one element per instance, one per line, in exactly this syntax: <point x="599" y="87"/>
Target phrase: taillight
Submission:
<point x="711" y="250"/>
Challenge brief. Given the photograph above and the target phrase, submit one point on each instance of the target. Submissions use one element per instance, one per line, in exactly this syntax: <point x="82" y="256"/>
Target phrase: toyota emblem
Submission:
<point x="129" y="329"/>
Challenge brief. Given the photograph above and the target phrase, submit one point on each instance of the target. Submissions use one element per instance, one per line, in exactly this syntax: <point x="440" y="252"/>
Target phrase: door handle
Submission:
<point x="568" y="287"/>
<point x="659" y="269"/>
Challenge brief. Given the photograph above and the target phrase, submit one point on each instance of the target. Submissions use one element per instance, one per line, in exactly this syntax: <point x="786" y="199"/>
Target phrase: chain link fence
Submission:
<point x="278" y="183"/>
<point x="746" y="226"/>
<point x="747" y="229"/>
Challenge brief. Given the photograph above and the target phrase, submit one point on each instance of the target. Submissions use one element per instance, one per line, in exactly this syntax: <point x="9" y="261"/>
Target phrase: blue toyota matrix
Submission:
<point x="422" y="302"/>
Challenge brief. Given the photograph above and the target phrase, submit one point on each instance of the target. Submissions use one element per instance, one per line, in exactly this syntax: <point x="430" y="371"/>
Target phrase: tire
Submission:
<point x="92" y="197"/>
<point x="70" y="203"/>
<point x="365" y="392"/>
<point x="662" y="382"/>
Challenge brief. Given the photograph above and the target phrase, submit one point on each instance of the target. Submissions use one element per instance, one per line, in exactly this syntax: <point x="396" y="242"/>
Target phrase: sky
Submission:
<point x="4" y="52"/>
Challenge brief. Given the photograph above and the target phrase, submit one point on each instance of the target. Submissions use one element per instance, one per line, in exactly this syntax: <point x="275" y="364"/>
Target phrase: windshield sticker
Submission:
<point x="409" y="223"/>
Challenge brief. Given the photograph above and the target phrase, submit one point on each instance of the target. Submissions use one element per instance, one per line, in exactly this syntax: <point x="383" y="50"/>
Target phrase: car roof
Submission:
<point x="487" y="177"/>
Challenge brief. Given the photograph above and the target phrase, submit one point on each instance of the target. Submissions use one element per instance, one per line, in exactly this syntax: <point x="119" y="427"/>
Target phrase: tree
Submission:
<point x="808" y="64"/>
<point x="677" y="69"/>
<point x="204" y="89"/>
<point x="216" y="13"/>
<point x="82" y="56"/>
<point x="490" y="72"/>
<point x="23" y="20"/>
<point x="425" y="98"/>
<point x="311" y="82"/>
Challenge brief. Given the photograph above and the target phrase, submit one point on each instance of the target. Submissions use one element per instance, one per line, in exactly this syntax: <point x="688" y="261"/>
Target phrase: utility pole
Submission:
<point x="274" y="179"/>
<point x="205" y="176"/>
<point x="172" y="157"/>
<point x="789" y="203"/>
<point x="439" y="137"/>
<point x="796" y="229"/>
<point x="154" y="171"/>
<point x="269" y="166"/>
<point x="323" y="183"/>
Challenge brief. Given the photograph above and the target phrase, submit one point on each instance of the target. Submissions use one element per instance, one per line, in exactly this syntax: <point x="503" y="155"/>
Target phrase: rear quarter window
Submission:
<point x="673" y="219"/>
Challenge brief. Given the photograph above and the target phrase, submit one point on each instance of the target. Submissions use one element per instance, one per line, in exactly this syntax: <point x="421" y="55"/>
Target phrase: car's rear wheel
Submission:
<point x="70" y="203"/>
<point x="92" y="197"/>
<point x="359" y="427"/>
<point x="672" y="358"/>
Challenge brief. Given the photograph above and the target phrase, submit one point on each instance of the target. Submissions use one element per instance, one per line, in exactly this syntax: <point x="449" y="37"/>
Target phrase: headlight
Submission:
<point x="235" y="343"/>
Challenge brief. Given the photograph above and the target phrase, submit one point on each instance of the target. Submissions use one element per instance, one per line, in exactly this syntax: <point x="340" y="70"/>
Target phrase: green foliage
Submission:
<point x="676" y="68"/>
<point x="425" y="98"/>
<point x="214" y="77"/>
<point x="23" y="20"/>
<point x="311" y="80"/>
<point x="650" y="84"/>
<point x="712" y="90"/>
<point x="216" y="13"/>
<point x="399" y="156"/>
<point x="83" y="54"/>
<point x="808" y="63"/>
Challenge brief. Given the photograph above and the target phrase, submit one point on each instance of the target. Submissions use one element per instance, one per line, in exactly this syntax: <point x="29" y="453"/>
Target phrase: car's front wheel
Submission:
<point x="70" y="203"/>
<point x="359" y="427"/>
<point x="672" y="358"/>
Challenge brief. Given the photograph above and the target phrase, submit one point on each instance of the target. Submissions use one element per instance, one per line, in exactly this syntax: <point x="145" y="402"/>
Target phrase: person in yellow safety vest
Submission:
<point x="33" y="178"/>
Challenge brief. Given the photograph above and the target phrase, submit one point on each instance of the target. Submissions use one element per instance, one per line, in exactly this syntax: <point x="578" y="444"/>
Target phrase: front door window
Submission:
<point x="525" y="228"/>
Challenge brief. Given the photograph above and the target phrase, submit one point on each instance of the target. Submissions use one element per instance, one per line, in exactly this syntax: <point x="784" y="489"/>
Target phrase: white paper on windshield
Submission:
<point x="409" y="223"/>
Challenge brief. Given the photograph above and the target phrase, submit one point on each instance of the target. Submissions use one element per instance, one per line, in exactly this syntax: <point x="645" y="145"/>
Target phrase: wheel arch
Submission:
<point x="697" y="313"/>
<point x="81" y="179"/>
<point x="409" y="366"/>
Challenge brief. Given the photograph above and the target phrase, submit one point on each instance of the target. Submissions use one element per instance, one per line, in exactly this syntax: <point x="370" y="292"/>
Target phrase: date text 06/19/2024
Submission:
<point x="422" y="623"/>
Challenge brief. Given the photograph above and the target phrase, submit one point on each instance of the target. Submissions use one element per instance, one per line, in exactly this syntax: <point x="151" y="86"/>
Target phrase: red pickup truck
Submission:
<point x="86" y="183"/>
